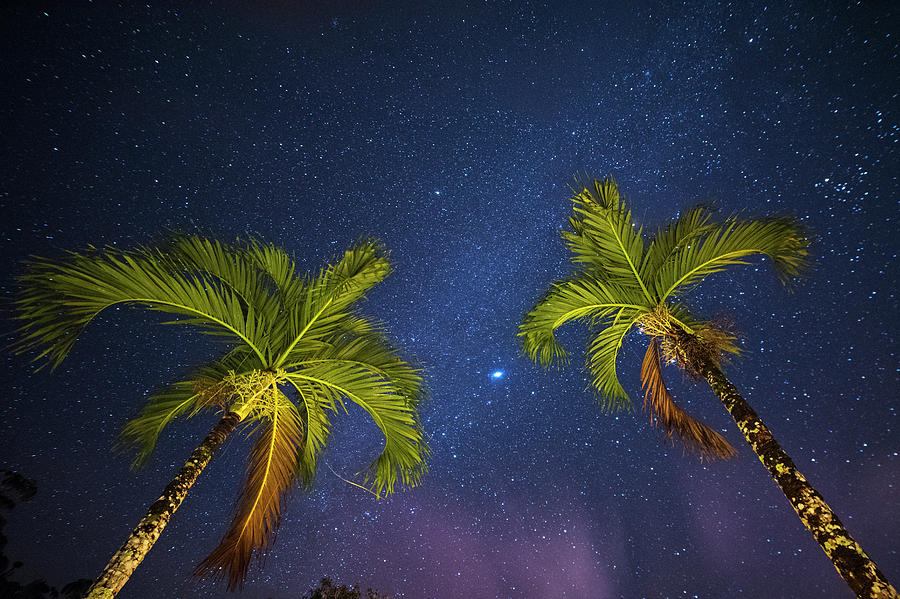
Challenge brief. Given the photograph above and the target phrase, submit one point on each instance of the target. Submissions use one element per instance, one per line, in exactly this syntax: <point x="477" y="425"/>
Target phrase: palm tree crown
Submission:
<point x="296" y="350"/>
<point x="627" y="282"/>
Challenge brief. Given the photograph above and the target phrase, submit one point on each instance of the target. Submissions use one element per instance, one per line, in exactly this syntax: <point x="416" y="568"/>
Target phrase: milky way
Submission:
<point x="452" y="134"/>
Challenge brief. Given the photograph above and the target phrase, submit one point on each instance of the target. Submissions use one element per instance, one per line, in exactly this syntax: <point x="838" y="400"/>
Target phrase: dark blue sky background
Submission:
<point x="451" y="131"/>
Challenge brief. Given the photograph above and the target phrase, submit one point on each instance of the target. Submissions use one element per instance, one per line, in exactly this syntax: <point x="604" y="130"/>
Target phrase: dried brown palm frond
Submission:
<point x="270" y="474"/>
<point x="719" y="337"/>
<point x="664" y="412"/>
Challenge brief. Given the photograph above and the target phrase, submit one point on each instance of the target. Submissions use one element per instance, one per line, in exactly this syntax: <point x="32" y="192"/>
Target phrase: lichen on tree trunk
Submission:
<point x="132" y="552"/>
<point x="851" y="562"/>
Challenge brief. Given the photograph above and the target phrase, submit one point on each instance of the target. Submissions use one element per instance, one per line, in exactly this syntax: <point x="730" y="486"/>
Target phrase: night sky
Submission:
<point x="451" y="132"/>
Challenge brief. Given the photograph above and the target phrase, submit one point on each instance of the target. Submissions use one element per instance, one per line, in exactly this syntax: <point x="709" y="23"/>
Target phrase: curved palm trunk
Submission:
<point x="851" y="562"/>
<point x="132" y="552"/>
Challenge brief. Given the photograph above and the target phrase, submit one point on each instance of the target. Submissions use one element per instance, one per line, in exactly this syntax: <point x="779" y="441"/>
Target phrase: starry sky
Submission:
<point x="451" y="132"/>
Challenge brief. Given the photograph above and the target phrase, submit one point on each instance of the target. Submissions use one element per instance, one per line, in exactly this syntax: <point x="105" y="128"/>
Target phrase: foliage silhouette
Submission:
<point x="327" y="590"/>
<point x="16" y="488"/>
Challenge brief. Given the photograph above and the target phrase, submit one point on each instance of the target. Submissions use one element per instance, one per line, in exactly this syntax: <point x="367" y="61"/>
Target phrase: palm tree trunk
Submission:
<point x="848" y="558"/>
<point x="132" y="552"/>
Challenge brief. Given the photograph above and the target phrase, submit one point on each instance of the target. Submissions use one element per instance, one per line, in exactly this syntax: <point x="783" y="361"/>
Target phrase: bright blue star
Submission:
<point x="497" y="374"/>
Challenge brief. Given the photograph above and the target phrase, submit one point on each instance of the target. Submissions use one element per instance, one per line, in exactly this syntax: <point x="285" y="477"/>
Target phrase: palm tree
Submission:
<point x="626" y="282"/>
<point x="296" y="349"/>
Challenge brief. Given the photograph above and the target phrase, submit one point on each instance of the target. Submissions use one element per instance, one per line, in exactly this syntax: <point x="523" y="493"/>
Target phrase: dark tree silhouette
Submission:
<point x="327" y="590"/>
<point x="16" y="488"/>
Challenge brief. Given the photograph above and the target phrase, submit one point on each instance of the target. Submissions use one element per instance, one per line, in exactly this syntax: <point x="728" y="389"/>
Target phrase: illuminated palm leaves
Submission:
<point x="604" y="236"/>
<point x="60" y="298"/>
<point x="141" y="433"/>
<point x="728" y="244"/>
<point x="367" y="371"/>
<point x="674" y="237"/>
<point x="626" y="281"/>
<point x="335" y="381"/>
<point x="298" y="350"/>
<point x="271" y="473"/>
<point x="581" y="297"/>
<point x="603" y="349"/>
<point x="208" y="389"/>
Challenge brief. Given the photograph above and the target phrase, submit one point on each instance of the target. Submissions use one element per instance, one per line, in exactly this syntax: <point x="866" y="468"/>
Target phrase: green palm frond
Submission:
<point x="60" y="299"/>
<point x="686" y="229"/>
<point x="326" y="302"/>
<point x="237" y="269"/>
<point x="280" y="267"/>
<point x="370" y="353"/>
<point x="315" y="403"/>
<point x="359" y="325"/>
<point x="345" y="327"/>
<point x="206" y="389"/>
<point x="604" y="236"/>
<point x="570" y="300"/>
<point x="345" y="282"/>
<point x="405" y="450"/>
<point x="729" y="243"/>
<point x="142" y="432"/>
<point x="241" y="359"/>
<point x="234" y="267"/>
<point x="603" y="350"/>
<point x="374" y="354"/>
